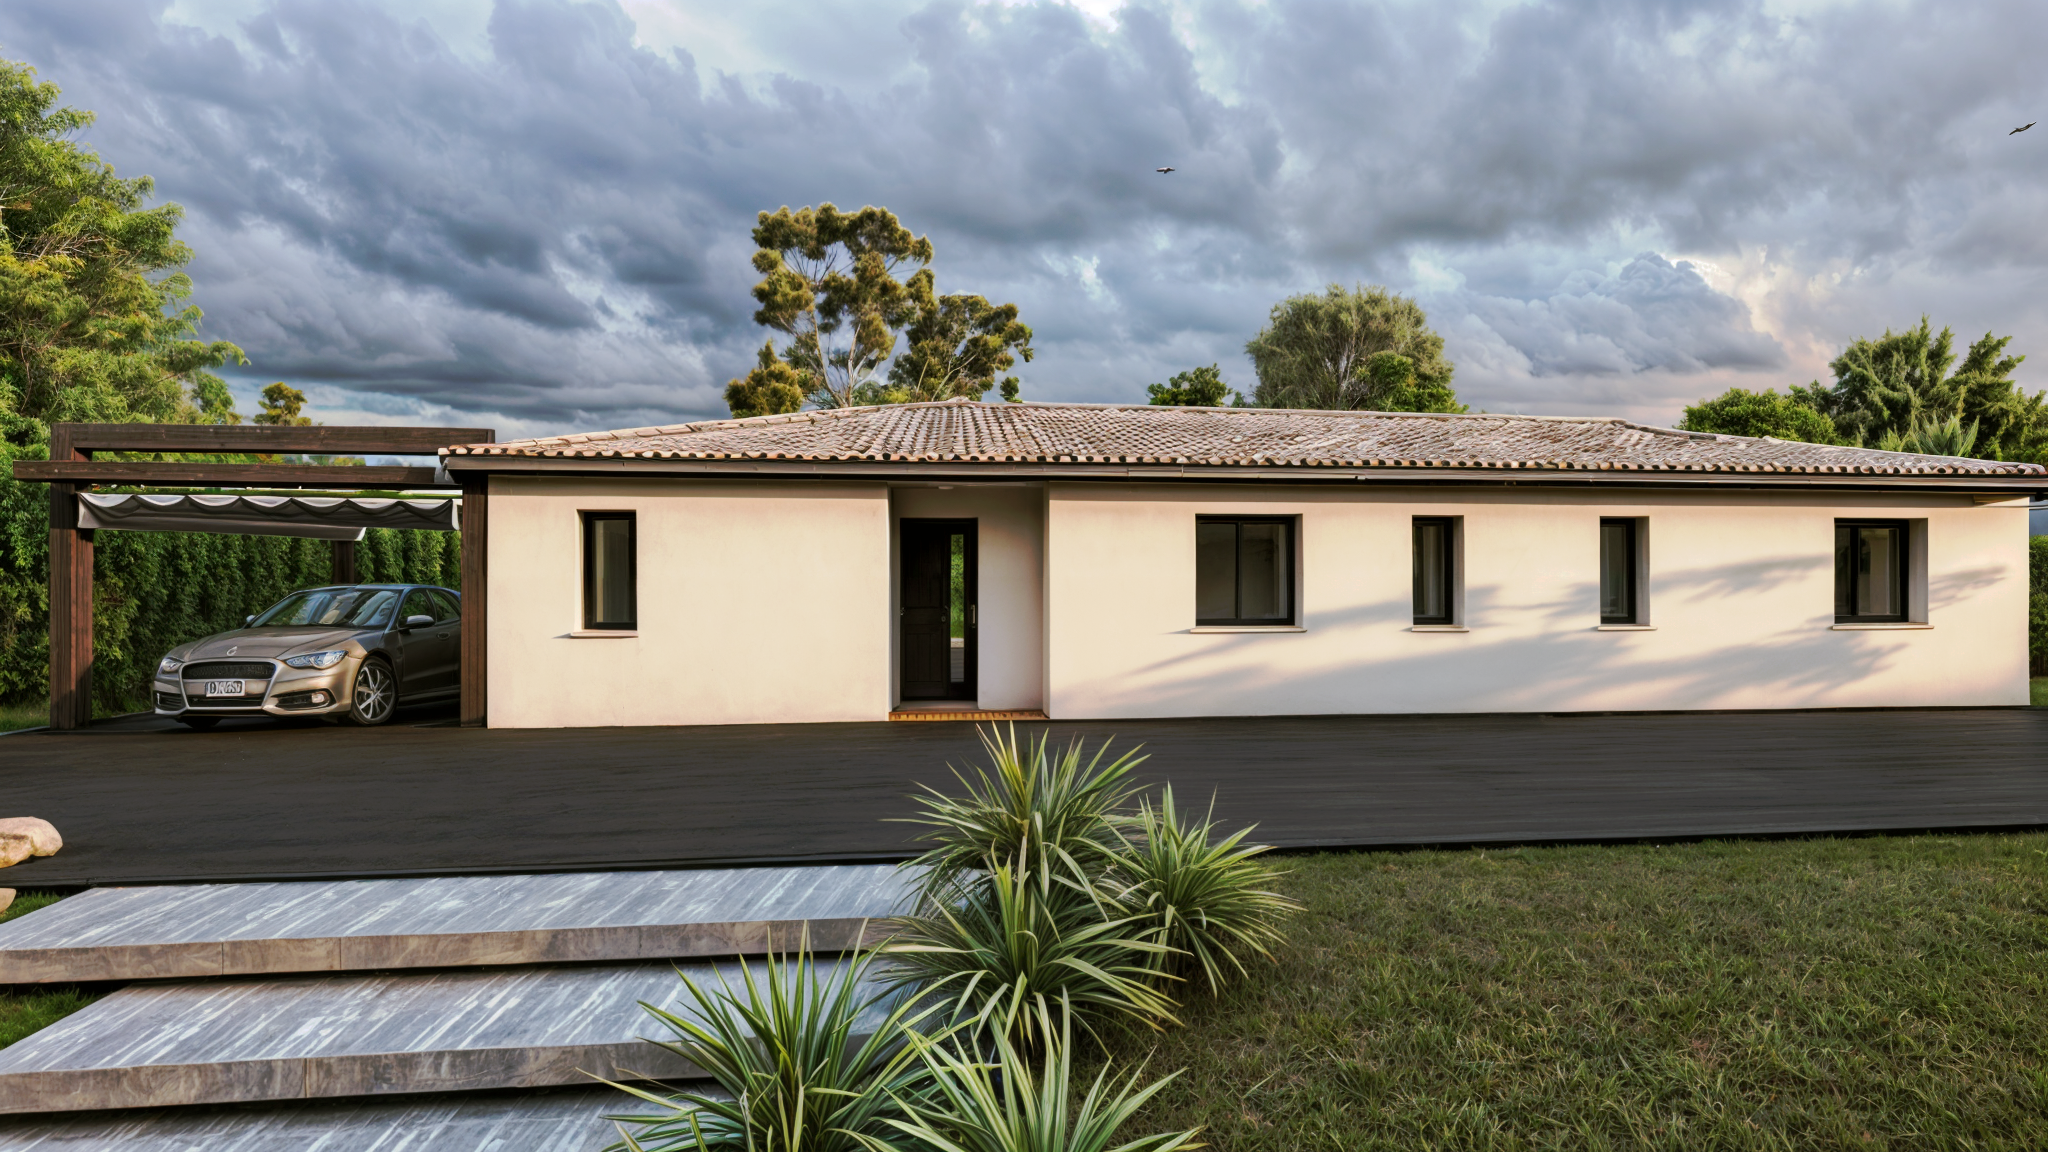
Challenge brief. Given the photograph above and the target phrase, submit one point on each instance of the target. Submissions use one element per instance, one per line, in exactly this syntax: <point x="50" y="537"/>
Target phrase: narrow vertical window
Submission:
<point x="1618" y="572"/>
<point x="1244" y="570"/>
<point x="609" y="598"/>
<point x="1870" y="571"/>
<point x="1433" y="570"/>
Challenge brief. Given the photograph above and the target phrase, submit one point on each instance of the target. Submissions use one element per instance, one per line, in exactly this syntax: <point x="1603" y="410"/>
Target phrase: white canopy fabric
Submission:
<point x="314" y="517"/>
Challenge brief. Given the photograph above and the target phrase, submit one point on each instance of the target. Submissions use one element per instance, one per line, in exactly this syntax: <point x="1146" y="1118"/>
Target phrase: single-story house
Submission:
<point x="1095" y="561"/>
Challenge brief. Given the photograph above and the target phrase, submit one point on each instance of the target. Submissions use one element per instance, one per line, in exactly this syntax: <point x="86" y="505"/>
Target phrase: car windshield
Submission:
<point x="338" y="607"/>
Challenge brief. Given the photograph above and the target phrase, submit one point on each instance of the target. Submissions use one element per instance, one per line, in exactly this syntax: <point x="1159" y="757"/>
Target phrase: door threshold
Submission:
<point x="945" y="710"/>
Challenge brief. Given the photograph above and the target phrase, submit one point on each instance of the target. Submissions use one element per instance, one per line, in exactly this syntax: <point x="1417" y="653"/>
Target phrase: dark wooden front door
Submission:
<point x="937" y="602"/>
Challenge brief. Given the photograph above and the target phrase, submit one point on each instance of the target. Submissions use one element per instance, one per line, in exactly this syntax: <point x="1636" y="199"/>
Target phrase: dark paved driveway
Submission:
<point x="138" y="802"/>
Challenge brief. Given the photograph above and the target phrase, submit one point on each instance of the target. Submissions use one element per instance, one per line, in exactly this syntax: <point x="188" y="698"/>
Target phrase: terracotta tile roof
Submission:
<point x="956" y="431"/>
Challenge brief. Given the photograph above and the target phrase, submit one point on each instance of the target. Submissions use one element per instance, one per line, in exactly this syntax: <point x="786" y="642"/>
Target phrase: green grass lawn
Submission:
<point x="27" y="1007"/>
<point x="1847" y="993"/>
<point x="2039" y="684"/>
<point x="13" y="716"/>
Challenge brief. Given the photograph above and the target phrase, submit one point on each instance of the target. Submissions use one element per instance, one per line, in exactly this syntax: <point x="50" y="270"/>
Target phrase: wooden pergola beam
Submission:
<point x="142" y="472"/>
<point x="319" y="439"/>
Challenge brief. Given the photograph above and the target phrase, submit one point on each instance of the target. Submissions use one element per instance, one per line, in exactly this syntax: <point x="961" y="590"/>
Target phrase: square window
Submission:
<point x="1618" y="576"/>
<point x="1435" y="571"/>
<point x="609" y="599"/>
<point x="1870" y="571"/>
<point x="1244" y="570"/>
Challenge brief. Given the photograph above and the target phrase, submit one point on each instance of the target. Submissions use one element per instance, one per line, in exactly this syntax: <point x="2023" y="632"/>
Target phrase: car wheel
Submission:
<point x="199" y="723"/>
<point x="375" y="695"/>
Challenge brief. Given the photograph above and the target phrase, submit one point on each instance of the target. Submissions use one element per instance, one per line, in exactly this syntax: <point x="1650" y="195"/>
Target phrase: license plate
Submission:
<point x="224" y="688"/>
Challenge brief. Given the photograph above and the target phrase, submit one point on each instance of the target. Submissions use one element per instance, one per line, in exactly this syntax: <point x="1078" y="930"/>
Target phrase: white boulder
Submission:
<point x="41" y="833"/>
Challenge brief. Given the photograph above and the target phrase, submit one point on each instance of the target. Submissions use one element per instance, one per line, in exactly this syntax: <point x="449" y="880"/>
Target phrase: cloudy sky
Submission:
<point x="533" y="214"/>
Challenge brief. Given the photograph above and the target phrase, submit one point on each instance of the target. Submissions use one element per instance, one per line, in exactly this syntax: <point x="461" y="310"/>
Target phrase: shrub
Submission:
<point x="994" y="950"/>
<point x="1004" y="1104"/>
<point x="784" y="1048"/>
<point x="1205" y="899"/>
<point x="1035" y="808"/>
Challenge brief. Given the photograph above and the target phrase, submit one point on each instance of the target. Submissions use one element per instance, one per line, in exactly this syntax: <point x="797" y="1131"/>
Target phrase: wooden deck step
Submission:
<point x="230" y="1041"/>
<point x="178" y="931"/>
<point x="561" y="1120"/>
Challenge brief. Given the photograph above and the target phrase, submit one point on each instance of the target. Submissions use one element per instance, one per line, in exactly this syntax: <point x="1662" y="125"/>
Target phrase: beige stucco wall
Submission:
<point x="758" y="603"/>
<point x="1740" y="590"/>
<point x="1010" y="530"/>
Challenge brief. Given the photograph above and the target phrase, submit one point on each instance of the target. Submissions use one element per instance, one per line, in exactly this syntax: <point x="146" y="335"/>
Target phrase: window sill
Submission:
<point x="1207" y="628"/>
<point x="604" y="634"/>
<point x="1438" y="628"/>
<point x="1625" y="628"/>
<point x="1890" y="626"/>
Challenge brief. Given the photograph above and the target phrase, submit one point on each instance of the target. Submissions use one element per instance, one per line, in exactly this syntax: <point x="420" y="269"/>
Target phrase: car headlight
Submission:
<point x="317" y="659"/>
<point x="170" y="664"/>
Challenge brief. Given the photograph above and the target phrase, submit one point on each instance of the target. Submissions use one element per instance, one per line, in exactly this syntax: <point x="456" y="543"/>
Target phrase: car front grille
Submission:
<point x="228" y="670"/>
<point x="169" y="701"/>
<point x="255" y="701"/>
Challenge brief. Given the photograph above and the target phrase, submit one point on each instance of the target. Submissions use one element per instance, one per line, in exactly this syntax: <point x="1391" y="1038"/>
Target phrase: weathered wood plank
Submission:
<point x="561" y="1120"/>
<point x="245" y="929"/>
<point x="216" y="1042"/>
<point x="230" y="475"/>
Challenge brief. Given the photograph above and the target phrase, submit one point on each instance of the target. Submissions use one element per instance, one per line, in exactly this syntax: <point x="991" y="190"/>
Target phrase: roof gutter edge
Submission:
<point x="970" y="471"/>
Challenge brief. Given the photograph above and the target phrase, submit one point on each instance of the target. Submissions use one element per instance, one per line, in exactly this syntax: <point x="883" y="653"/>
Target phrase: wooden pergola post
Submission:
<point x="343" y="567"/>
<point x="476" y="605"/>
<point x="70" y="596"/>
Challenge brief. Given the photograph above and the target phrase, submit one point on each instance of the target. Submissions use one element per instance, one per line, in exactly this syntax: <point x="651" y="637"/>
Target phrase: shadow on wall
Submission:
<point x="1794" y="667"/>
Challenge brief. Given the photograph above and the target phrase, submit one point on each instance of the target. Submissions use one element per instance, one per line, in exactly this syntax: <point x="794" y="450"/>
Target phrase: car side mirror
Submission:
<point x="412" y="622"/>
<point x="248" y="620"/>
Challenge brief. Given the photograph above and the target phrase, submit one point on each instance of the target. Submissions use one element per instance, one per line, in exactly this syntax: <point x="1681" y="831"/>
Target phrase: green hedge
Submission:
<point x="156" y="590"/>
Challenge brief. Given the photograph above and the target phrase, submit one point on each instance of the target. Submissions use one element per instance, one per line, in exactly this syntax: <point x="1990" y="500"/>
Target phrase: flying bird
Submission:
<point x="2023" y="128"/>
<point x="1163" y="171"/>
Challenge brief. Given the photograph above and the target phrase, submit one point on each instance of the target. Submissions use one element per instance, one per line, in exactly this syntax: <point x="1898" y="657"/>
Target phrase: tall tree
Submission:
<point x="1195" y="388"/>
<point x="829" y="281"/>
<point x="281" y="405"/>
<point x="773" y="387"/>
<point x="93" y="319"/>
<point x="1740" y="412"/>
<point x="1362" y="348"/>
<point x="957" y="345"/>
<point x="1897" y="392"/>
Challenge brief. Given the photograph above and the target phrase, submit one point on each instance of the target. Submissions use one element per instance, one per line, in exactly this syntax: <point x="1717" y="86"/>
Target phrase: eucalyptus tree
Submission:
<point x="830" y="282"/>
<point x="1362" y="348"/>
<point x="957" y="346"/>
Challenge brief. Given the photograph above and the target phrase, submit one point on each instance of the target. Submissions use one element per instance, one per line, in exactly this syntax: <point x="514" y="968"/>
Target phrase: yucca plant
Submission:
<point x="1208" y="898"/>
<point x="787" y="1051"/>
<point x="992" y="947"/>
<point x="1035" y="807"/>
<point x="1004" y="1104"/>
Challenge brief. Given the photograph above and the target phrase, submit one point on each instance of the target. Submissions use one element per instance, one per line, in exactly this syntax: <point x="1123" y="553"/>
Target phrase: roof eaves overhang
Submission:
<point x="971" y="471"/>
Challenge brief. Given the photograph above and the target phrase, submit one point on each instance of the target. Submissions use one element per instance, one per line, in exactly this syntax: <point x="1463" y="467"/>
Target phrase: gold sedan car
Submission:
<point x="349" y="652"/>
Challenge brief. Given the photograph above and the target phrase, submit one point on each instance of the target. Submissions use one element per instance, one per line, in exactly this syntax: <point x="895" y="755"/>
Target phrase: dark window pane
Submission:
<point x="1845" y="605"/>
<point x="1617" y="567"/>
<point x="1877" y="586"/>
<point x="1262" y="591"/>
<point x="609" y="596"/>
<point x="1215" y="571"/>
<point x="1432" y="572"/>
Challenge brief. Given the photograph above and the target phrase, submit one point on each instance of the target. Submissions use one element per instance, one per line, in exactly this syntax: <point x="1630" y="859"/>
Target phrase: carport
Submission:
<point x="74" y="468"/>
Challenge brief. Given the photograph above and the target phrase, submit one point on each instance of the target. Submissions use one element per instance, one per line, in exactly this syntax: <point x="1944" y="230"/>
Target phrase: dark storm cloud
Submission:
<point x="552" y="231"/>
